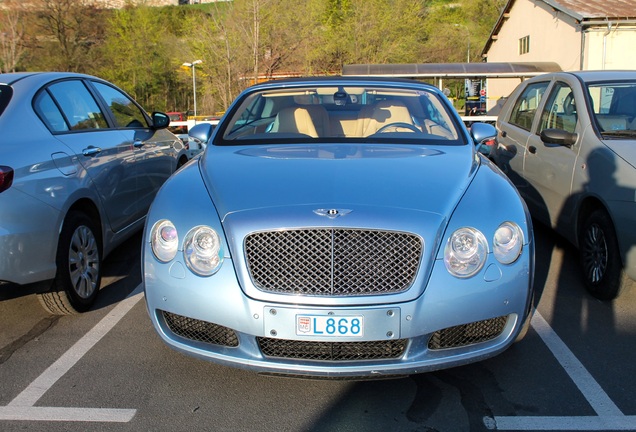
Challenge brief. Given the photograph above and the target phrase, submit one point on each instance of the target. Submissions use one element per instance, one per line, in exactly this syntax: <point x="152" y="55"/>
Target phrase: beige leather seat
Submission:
<point x="320" y="118"/>
<point x="373" y="117"/>
<point x="294" y="120"/>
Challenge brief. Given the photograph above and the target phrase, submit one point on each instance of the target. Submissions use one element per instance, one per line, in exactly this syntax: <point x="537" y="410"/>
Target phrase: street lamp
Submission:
<point x="194" y="82"/>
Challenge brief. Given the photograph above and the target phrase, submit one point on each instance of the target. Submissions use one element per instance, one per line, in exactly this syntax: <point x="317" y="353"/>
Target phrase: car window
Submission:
<point x="340" y="114"/>
<point x="5" y="96"/>
<point x="127" y="114"/>
<point x="614" y="107"/>
<point x="559" y="111"/>
<point x="49" y="112"/>
<point x="78" y="107"/>
<point x="526" y="105"/>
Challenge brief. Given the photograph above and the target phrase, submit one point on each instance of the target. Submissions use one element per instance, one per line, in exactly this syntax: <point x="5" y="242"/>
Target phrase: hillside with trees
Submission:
<point x="142" y="48"/>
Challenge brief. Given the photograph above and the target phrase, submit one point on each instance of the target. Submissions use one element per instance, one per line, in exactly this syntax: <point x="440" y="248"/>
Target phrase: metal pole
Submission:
<point x="194" y="89"/>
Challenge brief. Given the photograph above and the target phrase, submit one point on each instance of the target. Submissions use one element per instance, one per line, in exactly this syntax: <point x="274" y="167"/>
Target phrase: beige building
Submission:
<point x="575" y="34"/>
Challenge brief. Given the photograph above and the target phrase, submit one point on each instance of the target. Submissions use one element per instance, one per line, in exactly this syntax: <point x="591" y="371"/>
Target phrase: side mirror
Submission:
<point x="202" y="132"/>
<point x="559" y="137"/>
<point x="484" y="137"/>
<point x="160" y="120"/>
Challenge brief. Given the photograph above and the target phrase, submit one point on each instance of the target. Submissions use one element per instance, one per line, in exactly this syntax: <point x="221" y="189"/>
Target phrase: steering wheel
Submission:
<point x="398" y="125"/>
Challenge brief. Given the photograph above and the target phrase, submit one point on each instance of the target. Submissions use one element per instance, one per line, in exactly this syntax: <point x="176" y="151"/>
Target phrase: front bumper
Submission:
<point x="454" y="322"/>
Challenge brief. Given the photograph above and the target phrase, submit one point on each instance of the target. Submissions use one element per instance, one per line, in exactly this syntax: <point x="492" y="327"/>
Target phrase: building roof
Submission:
<point x="582" y="10"/>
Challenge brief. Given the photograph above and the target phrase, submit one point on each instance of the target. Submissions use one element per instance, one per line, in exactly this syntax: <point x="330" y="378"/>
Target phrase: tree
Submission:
<point x="67" y="32"/>
<point x="12" y="35"/>
<point x="136" y="55"/>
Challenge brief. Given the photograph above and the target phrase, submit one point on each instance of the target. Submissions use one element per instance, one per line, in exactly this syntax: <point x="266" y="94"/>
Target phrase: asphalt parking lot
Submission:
<point x="106" y="370"/>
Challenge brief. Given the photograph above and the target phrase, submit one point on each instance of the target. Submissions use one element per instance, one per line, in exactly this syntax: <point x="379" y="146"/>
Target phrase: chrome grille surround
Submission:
<point x="200" y="331"/>
<point x="333" y="261"/>
<point x="331" y="351"/>
<point x="468" y="334"/>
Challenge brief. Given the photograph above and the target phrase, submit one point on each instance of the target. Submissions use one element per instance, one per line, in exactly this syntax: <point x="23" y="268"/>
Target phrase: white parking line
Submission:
<point x="22" y="407"/>
<point x="609" y="416"/>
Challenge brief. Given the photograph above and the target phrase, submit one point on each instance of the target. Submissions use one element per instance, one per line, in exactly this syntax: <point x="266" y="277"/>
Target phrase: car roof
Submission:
<point x="589" y="76"/>
<point x="12" y="78"/>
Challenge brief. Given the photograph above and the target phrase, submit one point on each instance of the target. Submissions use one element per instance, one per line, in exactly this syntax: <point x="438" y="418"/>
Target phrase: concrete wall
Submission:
<point x="610" y="47"/>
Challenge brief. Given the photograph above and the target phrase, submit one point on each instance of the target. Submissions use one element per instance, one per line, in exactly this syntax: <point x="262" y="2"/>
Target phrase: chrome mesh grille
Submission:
<point x="201" y="331"/>
<point x="331" y="351"/>
<point x="333" y="262"/>
<point x="467" y="334"/>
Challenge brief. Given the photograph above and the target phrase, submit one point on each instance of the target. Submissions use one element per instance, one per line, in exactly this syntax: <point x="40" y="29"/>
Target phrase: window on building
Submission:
<point x="524" y="45"/>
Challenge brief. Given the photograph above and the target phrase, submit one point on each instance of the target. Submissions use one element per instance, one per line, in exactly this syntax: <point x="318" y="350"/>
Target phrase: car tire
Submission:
<point x="79" y="268"/>
<point x="600" y="258"/>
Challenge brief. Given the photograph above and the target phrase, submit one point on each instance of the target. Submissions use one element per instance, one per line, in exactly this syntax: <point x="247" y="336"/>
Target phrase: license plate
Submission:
<point x="330" y="325"/>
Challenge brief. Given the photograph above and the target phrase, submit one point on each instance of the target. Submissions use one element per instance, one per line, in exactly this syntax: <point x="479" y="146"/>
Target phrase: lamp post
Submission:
<point x="194" y="82"/>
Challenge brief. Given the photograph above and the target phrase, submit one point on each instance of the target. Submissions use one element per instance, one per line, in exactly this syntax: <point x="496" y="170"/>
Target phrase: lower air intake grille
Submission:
<point x="201" y="331"/>
<point x="332" y="351"/>
<point x="467" y="334"/>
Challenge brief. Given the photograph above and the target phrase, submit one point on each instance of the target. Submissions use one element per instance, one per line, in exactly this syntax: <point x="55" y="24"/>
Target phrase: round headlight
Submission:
<point x="202" y="251"/>
<point x="465" y="252"/>
<point x="164" y="240"/>
<point x="508" y="242"/>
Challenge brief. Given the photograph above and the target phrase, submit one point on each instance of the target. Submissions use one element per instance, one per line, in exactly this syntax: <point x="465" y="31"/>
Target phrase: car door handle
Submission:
<point x="138" y="144"/>
<point x="532" y="149"/>
<point x="91" y="151"/>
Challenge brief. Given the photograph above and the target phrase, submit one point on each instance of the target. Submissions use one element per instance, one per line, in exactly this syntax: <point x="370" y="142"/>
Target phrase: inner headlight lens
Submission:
<point x="465" y="252"/>
<point x="202" y="251"/>
<point x="508" y="242"/>
<point x="164" y="240"/>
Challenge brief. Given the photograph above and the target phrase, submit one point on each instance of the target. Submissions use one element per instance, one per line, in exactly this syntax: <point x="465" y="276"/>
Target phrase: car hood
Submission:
<point x="625" y="148"/>
<point x="405" y="188"/>
<point x="408" y="177"/>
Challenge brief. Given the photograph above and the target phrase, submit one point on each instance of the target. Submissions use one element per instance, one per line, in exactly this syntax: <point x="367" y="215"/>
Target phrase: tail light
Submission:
<point x="6" y="177"/>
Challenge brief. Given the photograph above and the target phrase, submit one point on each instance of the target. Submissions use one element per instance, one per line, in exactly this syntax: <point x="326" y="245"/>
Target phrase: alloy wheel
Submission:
<point x="594" y="254"/>
<point x="83" y="262"/>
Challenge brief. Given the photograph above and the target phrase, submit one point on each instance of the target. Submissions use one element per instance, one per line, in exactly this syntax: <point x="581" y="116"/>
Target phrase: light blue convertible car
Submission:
<point x="340" y="227"/>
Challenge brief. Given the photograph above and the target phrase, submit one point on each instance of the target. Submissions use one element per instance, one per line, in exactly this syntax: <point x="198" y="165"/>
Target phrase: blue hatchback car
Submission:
<point x="340" y="227"/>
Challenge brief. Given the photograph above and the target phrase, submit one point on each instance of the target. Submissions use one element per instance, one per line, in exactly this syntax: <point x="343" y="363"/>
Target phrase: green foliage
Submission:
<point x="142" y="48"/>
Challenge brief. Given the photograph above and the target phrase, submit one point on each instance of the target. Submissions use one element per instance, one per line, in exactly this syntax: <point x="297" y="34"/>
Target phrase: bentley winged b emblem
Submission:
<point x="332" y="213"/>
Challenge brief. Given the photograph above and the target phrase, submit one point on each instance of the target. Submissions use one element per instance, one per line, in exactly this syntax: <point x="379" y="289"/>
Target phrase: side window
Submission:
<point x="127" y="114"/>
<point x="78" y="106"/>
<point x="48" y="111"/>
<point x="526" y="105"/>
<point x="560" y="109"/>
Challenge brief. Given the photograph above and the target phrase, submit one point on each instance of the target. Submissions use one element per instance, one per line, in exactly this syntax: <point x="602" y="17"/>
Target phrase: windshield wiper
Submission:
<point x="619" y="133"/>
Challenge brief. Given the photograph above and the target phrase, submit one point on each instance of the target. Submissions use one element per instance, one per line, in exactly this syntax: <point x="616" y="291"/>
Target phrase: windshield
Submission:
<point x="614" y="108"/>
<point x="333" y="113"/>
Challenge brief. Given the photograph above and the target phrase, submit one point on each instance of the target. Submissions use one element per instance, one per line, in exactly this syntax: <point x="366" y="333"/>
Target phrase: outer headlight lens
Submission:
<point x="465" y="252"/>
<point x="202" y="251"/>
<point x="164" y="240"/>
<point x="508" y="242"/>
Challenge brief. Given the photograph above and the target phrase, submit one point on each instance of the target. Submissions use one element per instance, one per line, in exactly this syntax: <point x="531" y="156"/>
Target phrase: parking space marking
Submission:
<point x="609" y="416"/>
<point x="66" y="414"/>
<point x="22" y="407"/>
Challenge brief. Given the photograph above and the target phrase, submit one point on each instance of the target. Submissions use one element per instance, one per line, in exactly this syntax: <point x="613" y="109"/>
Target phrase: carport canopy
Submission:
<point x="439" y="71"/>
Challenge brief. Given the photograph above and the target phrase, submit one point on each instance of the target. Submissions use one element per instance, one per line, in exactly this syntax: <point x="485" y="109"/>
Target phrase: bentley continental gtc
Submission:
<point x="340" y="228"/>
